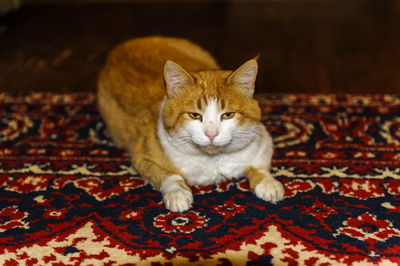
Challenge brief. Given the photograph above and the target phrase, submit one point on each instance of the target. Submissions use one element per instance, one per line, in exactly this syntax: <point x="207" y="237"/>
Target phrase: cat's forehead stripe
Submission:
<point x="199" y="104"/>
<point x="205" y="99"/>
<point x="221" y="103"/>
<point x="204" y="102"/>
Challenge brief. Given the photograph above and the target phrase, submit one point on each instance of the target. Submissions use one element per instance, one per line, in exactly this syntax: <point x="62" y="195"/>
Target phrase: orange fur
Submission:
<point x="131" y="91"/>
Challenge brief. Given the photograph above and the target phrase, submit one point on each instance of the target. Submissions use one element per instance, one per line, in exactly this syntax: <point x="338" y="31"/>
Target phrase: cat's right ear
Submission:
<point x="176" y="78"/>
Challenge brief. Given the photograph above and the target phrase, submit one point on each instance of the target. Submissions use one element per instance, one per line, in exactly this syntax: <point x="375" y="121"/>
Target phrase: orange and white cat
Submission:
<point x="183" y="120"/>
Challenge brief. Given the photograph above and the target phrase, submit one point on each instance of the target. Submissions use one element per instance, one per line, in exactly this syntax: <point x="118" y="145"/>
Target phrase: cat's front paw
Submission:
<point x="177" y="196"/>
<point x="178" y="201"/>
<point x="270" y="189"/>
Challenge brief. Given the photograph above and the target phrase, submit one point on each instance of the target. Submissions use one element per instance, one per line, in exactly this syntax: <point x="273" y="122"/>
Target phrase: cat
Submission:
<point x="183" y="120"/>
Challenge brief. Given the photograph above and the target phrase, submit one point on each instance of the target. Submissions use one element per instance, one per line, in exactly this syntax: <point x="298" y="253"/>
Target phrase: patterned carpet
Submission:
<point x="68" y="196"/>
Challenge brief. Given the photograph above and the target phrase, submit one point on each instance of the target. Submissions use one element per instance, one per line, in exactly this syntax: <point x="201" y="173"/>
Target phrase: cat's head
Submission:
<point x="211" y="111"/>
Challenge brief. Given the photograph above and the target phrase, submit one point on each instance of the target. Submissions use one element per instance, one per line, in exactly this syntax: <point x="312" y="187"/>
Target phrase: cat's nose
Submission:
<point x="211" y="135"/>
<point x="211" y="131"/>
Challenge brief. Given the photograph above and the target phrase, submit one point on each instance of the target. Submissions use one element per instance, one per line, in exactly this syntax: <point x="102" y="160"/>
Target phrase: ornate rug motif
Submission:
<point x="68" y="196"/>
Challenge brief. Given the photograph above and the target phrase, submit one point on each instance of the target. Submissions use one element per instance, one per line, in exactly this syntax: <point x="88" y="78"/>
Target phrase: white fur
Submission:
<point x="269" y="189"/>
<point x="176" y="198"/>
<point x="231" y="137"/>
<point x="240" y="147"/>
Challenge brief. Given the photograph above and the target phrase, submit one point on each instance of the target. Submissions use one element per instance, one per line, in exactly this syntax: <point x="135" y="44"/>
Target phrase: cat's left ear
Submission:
<point x="245" y="77"/>
<point x="176" y="78"/>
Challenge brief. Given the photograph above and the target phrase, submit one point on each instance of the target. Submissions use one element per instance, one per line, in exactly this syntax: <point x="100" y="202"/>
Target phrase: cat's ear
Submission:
<point x="176" y="78"/>
<point x="245" y="77"/>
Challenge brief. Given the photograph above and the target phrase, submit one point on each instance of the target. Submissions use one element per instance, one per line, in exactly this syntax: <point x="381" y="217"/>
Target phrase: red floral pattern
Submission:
<point x="11" y="218"/>
<point x="57" y="214"/>
<point x="295" y="186"/>
<point x="180" y="223"/>
<point x="393" y="187"/>
<point x="68" y="196"/>
<point x="229" y="209"/>
<point x="361" y="189"/>
<point x="370" y="230"/>
<point x="14" y="125"/>
<point x="29" y="183"/>
<point x="105" y="187"/>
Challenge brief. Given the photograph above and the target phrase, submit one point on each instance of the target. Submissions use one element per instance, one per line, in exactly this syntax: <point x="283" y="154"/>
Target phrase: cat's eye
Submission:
<point x="227" y="115"/>
<point x="195" y="116"/>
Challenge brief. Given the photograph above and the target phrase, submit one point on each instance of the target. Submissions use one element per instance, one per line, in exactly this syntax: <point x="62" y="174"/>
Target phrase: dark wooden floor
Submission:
<point x="305" y="46"/>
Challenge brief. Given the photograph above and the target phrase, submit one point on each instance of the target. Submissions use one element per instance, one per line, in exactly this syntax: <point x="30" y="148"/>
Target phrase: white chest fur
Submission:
<point x="203" y="169"/>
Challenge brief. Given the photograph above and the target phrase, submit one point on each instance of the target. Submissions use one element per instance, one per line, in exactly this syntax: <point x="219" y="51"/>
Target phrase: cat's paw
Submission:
<point x="270" y="189"/>
<point x="177" y="196"/>
<point x="178" y="201"/>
